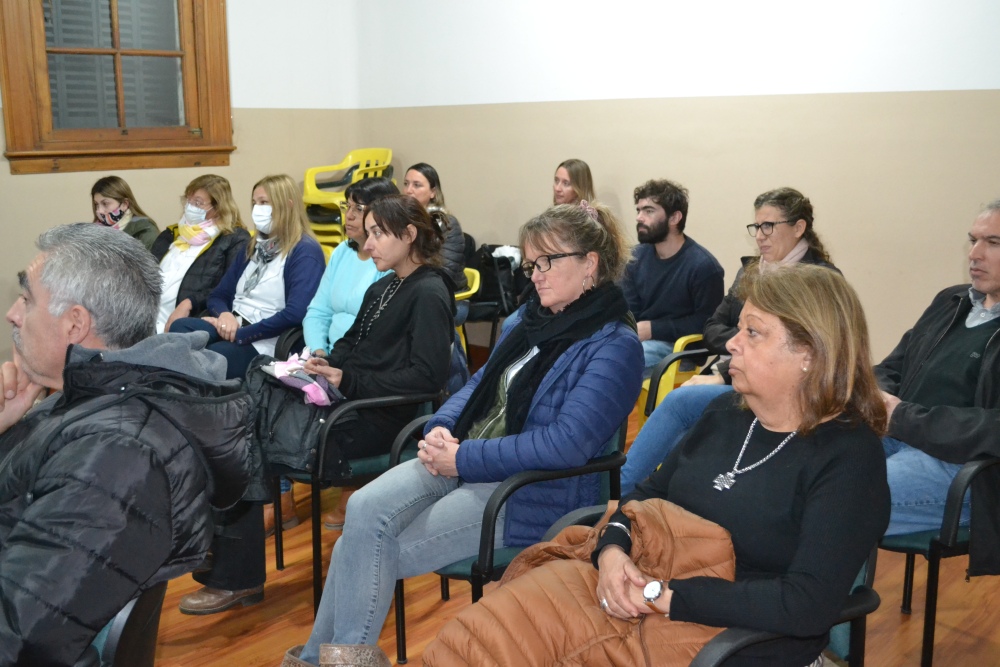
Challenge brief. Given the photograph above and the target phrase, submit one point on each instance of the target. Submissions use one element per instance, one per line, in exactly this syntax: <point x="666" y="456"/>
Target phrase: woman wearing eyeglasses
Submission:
<point x="783" y="228"/>
<point x="562" y="379"/>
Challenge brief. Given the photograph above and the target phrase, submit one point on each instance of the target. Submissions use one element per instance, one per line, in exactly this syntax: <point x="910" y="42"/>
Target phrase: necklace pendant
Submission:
<point x="724" y="481"/>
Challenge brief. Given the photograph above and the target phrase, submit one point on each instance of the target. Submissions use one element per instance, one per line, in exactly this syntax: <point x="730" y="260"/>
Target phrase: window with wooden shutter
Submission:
<point x="114" y="84"/>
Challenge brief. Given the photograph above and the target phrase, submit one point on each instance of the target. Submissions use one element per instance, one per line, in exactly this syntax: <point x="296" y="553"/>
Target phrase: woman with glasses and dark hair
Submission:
<point x="783" y="228"/>
<point x="560" y="382"/>
<point x="348" y="273"/>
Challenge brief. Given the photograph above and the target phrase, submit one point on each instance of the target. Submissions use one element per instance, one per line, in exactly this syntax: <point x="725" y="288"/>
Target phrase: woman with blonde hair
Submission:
<point x="562" y="379"/>
<point x="115" y="206"/>
<point x="268" y="288"/>
<point x="572" y="183"/>
<point x="196" y="252"/>
<point x="790" y="464"/>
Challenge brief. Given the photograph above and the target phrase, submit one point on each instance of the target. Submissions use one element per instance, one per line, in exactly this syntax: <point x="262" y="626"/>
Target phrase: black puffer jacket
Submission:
<point x="453" y="252"/>
<point x="106" y="489"/>
<point x="207" y="271"/>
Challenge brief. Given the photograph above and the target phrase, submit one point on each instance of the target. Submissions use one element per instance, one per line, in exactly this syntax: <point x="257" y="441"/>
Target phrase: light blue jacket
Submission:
<point x="580" y="403"/>
<point x="338" y="298"/>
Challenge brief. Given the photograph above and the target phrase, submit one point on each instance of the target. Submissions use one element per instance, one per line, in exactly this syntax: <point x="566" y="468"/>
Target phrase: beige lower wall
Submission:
<point x="895" y="178"/>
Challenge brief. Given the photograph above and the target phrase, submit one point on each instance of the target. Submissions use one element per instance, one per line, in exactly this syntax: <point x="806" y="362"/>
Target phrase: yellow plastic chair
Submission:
<point x="471" y="277"/>
<point x="359" y="163"/>
<point x="329" y="235"/>
<point x="665" y="380"/>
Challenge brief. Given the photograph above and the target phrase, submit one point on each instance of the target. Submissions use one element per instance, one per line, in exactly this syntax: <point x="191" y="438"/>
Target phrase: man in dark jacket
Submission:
<point x="942" y="390"/>
<point x="106" y="485"/>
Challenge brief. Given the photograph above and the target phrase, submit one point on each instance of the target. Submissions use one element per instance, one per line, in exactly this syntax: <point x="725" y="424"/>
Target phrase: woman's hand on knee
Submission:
<point x="616" y="583"/>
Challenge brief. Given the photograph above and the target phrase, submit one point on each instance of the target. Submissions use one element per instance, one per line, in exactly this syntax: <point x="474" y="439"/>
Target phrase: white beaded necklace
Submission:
<point x="726" y="480"/>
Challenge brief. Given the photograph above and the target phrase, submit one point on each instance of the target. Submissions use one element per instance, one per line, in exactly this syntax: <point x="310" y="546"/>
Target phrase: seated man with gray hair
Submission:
<point x="107" y="485"/>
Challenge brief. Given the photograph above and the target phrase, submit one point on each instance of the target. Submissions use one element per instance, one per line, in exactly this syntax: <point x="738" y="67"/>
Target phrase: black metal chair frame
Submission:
<point x="660" y="368"/>
<point x="132" y="638"/>
<point x="945" y="545"/>
<point x="318" y="483"/>
<point x="484" y="570"/>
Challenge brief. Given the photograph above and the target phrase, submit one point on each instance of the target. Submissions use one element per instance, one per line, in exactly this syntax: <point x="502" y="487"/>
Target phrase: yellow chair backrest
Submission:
<point x="471" y="277"/>
<point x="366" y="163"/>
<point x="672" y="378"/>
<point x="329" y="235"/>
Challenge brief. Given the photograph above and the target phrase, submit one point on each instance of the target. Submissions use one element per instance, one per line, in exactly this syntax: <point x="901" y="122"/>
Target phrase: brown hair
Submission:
<point x="822" y="312"/>
<point x="394" y="213"/>
<point x="288" y="213"/>
<point x="591" y="228"/>
<point x="580" y="179"/>
<point x="115" y="187"/>
<point x="227" y="213"/>
<point x="795" y="206"/>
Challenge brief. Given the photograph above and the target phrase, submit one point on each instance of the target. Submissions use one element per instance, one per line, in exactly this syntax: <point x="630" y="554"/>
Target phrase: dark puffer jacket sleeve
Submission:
<point x="453" y="254"/>
<point x="89" y="539"/>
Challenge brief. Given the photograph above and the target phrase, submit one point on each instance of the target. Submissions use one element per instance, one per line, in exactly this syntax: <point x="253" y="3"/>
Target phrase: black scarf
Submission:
<point x="553" y="334"/>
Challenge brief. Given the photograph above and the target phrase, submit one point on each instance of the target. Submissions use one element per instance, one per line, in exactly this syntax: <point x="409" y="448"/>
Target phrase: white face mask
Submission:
<point x="261" y="215"/>
<point x="194" y="215"/>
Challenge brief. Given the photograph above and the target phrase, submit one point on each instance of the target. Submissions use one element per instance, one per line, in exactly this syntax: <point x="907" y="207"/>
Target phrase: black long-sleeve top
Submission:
<point x="802" y="525"/>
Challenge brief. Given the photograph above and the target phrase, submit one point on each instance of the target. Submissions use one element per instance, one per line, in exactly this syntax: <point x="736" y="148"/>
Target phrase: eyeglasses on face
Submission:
<point x="197" y="201"/>
<point x="767" y="227"/>
<point x="544" y="262"/>
<point x="357" y="208"/>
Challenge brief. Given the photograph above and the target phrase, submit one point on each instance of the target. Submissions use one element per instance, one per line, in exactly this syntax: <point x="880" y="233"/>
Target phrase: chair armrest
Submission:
<point x="583" y="516"/>
<point x="350" y="407"/>
<point x="956" y="493"/>
<point x="730" y="641"/>
<point x="523" y="478"/>
<point x="289" y="340"/>
<point x="661" y="368"/>
<point x="404" y="437"/>
<point x="312" y="172"/>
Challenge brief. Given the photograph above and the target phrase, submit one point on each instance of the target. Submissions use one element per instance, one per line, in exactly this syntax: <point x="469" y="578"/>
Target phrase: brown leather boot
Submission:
<point x="335" y="519"/>
<point x="213" y="600"/>
<point x="289" y="519"/>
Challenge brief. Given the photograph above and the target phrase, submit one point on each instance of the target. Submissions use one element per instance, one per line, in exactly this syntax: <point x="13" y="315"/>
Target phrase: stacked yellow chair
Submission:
<point x="665" y="382"/>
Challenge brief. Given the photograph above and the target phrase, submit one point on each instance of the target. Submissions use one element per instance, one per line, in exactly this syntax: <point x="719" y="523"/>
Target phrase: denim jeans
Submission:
<point x="918" y="485"/>
<point x="671" y="419"/>
<point x="653" y="352"/>
<point x="403" y="524"/>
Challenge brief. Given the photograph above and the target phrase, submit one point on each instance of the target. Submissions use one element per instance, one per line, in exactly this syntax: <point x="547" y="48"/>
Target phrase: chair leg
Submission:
<point x="445" y="590"/>
<point x="856" y="655"/>
<point x="400" y="624"/>
<point x="279" y="540"/>
<point x="908" y="583"/>
<point x="317" y="521"/>
<point x="930" y="609"/>
<point x="477" y="586"/>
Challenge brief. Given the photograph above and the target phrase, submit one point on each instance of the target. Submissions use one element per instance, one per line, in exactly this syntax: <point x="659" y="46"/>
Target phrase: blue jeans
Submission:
<point x="405" y="523"/>
<point x="671" y="419"/>
<point x="653" y="352"/>
<point x="918" y="485"/>
<point x="238" y="357"/>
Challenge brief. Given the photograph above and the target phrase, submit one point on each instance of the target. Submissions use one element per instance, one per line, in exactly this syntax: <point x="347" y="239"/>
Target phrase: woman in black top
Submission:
<point x="791" y="465"/>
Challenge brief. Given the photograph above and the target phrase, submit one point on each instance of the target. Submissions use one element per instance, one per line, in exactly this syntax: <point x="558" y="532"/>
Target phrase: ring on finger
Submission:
<point x="604" y="605"/>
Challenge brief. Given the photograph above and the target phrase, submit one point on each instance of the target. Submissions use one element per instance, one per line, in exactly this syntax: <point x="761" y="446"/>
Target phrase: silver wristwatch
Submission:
<point x="651" y="593"/>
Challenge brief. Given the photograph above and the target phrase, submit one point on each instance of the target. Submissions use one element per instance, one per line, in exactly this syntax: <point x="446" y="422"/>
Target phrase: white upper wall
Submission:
<point x="356" y="54"/>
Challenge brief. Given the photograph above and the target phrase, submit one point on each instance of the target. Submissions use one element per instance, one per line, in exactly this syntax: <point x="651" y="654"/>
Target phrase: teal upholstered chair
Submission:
<point x="950" y="540"/>
<point x="490" y="563"/>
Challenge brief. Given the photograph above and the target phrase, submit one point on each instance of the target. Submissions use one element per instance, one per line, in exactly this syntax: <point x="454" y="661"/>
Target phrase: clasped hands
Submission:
<point x="438" y="451"/>
<point x="621" y="584"/>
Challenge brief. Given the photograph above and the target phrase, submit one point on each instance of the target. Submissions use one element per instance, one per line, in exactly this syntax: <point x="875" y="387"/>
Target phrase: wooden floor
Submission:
<point x="967" y="627"/>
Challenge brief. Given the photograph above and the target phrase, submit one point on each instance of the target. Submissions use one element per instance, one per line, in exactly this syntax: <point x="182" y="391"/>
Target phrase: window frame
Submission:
<point x="34" y="147"/>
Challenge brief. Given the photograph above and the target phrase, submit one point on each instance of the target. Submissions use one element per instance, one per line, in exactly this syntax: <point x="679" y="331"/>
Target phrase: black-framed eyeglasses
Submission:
<point x="767" y="227"/>
<point x="544" y="262"/>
